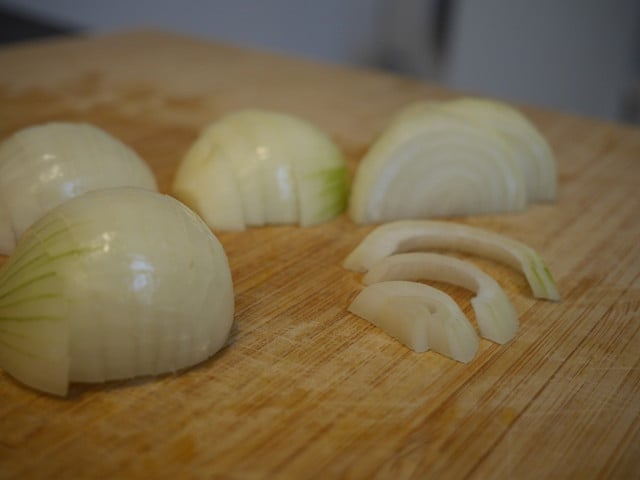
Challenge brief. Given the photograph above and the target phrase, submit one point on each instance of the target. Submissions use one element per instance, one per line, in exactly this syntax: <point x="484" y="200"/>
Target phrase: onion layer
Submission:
<point x="113" y="284"/>
<point x="421" y="317"/>
<point x="529" y="147"/>
<point x="408" y="235"/>
<point x="495" y="314"/>
<point x="463" y="157"/>
<point x="46" y="165"/>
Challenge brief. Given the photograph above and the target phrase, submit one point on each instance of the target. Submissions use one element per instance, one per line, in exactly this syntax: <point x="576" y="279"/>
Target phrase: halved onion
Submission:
<point x="45" y="165"/>
<point x="497" y="318"/>
<point x="112" y="284"/>
<point x="256" y="167"/>
<point x="421" y="317"/>
<point x="408" y="235"/>
<point x="436" y="164"/>
<point x="529" y="147"/>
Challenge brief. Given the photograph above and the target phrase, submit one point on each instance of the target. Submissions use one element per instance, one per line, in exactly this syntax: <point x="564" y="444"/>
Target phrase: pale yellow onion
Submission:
<point x="412" y="235"/>
<point x="45" y="165"/>
<point x="497" y="318"/>
<point x="419" y="316"/>
<point x="528" y="145"/>
<point x="256" y="167"/>
<point x="435" y="164"/>
<point x="113" y="284"/>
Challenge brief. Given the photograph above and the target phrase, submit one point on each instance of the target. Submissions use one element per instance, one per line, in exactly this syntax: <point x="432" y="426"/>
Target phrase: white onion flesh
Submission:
<point x="529" y="147"/>
<point x="497" y="318"/>
<point x="113" y="284"/>
<point x="413" y="235"/>
<point x="45" y="165"/>
<point x="419" y="316"/>
<point x="464" y="157"/>
<point x="255" y="167"/>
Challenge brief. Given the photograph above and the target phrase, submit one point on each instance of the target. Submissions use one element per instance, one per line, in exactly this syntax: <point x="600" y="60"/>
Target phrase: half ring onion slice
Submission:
<point x="421" y="317"/>
<point x="408" y="235"/>
<point x="495" y="314"/>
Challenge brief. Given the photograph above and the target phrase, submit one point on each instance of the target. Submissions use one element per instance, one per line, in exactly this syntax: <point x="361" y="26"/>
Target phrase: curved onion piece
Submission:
<point x="496" y="316"/>
<point x="113" y="284"/>
<point x="421" y="317"/>
<point x="530" y="148"/>
<point x="46" y="165"/>
<point x="407" y="235"/>
<point x="436" y="164"/>
<point x="255" y="167"/>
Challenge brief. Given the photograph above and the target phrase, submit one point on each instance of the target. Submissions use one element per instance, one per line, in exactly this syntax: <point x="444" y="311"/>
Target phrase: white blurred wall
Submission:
<point x="581" y="56"/>
<point x="333" y="30"/>
<point x="576" y="55"/>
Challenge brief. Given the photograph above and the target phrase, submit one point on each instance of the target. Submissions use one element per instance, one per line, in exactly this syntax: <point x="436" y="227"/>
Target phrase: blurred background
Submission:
<point x="578" y="56"/>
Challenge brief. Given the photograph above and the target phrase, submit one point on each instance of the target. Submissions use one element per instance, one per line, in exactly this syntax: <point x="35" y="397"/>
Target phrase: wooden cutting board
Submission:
<point x="307" y="390"/>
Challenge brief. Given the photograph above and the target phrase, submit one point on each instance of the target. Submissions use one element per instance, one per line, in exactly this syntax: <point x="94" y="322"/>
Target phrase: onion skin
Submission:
<point x="45" y="165"/>
<point x="113" y="284"/>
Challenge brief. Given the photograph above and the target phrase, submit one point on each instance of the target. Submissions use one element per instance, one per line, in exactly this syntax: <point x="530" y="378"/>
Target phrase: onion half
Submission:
<point x="435" y="164"/>
<point x="497" y="318"/>
<point x="529" y="147"/>
<point x="412" y="235"/>
<point x="421" y="317"/>
<point x="462" y="157"/>
<point x="256" y="167"/>
<point x="45" y="165"/>
<point x="113" y="284"/>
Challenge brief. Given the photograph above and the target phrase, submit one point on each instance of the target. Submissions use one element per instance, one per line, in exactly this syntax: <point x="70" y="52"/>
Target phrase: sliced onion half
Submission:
<point x="256" y="167"/>
<point x="421" y="317"/>
<point x="45" y="165"/>
<point x="436" y="164"/>
<point x="497" y="318"/>
<point x="113" y="284"/>
<point x="412" y="235"/>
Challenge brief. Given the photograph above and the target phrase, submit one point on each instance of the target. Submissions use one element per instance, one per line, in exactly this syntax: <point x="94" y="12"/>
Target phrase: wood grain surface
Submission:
<point x="306" y="390"/>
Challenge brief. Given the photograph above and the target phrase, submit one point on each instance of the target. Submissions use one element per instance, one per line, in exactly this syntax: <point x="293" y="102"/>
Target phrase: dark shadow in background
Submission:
<point x="19" y="26"/>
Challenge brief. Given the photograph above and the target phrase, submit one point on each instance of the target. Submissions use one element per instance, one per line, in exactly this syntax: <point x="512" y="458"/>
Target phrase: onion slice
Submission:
<point x="436" y="164"/>
<point x="45" y="165"/>
<point x="412" y="235"/>
<point x="495" y="314"/>
<point x="421" y="317"/>
<point x="113" y="284"/>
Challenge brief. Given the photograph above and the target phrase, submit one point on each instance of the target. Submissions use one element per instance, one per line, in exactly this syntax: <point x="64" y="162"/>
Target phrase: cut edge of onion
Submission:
<point x="415" y="235"/>
<point x="420" y="157"/>
<point x="37" y="357"/>
<point x="532" y="148"/>
<point x="419" y="316"/>
<point x="497" y="318"/>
